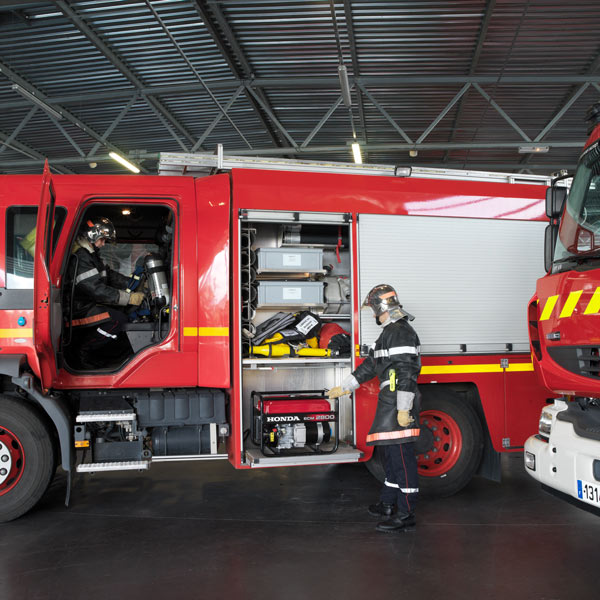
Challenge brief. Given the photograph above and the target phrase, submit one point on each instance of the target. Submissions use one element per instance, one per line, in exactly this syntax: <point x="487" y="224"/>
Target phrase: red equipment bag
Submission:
<point x="333" y="337"/>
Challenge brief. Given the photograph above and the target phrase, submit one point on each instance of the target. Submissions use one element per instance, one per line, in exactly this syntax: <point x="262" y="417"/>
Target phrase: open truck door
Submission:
<point x="46" y="311"/>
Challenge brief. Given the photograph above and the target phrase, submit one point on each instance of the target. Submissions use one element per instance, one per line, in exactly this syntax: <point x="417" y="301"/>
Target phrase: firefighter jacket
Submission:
<point x="395" y="359"/>
<point x="90" y="283"/>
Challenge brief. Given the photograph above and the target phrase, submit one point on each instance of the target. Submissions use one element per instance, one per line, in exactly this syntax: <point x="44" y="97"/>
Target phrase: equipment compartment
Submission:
<point x="287" y="277"/>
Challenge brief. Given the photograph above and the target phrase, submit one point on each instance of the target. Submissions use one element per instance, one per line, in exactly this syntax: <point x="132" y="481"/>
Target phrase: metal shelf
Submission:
<point x="290" y="307"/>
<point x="344" y="454"/>
<point x="257" y="363"/>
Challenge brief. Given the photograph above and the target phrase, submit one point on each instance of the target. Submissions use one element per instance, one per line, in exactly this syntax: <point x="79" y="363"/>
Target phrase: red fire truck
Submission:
<point x="563" y="323"/>
<point x="244" y="243"/>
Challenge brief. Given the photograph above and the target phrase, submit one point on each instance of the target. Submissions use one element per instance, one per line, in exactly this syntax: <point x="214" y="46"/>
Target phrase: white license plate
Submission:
<point x="588" y="492"/>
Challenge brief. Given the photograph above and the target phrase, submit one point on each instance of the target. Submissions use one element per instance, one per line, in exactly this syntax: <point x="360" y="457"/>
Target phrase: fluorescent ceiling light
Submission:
<point x="356" y="153"/>
<point x="33" y="98"/>
<point x="124" y="162"/>
<point x="46" y="15"/>
<point x="533" y="148"/>
<point x="345" y="85"/>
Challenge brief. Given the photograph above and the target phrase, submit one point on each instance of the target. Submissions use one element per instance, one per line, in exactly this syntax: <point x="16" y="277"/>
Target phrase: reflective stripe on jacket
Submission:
<point x="396" y="351"/>
<point x="94" y="284"/>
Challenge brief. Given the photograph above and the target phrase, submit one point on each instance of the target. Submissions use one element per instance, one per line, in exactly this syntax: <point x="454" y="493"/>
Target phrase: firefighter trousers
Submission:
<point x="105" y="344"/>
<point x="401" y="486"/>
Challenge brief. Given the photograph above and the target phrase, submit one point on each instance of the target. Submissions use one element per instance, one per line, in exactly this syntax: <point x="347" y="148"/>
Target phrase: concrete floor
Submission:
<point x="204" y="530"/>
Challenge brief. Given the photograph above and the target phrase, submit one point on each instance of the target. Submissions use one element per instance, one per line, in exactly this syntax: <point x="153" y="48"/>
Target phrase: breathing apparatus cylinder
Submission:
<point x="157" y="280"/>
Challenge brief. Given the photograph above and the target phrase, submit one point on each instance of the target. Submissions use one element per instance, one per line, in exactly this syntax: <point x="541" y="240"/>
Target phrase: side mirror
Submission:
<point x="550" y="235"/>
<point x="555" y="200"/>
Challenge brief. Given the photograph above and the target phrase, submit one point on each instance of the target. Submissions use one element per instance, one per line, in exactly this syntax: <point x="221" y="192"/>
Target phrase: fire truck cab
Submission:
<point x="239" y="245"/>
<point x="563" y="323"/>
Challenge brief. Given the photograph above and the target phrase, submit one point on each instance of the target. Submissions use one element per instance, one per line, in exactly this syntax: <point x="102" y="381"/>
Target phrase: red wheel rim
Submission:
<point x="12" y="460"/>
<point x="447" y="444"/>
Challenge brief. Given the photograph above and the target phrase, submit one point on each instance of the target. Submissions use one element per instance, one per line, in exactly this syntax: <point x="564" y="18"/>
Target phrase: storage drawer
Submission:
<point x="290" y="260"/>
<point x="290" y="293"/>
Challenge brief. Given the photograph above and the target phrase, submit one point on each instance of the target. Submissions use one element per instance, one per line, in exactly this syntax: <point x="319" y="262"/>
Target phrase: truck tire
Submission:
<point x="27" y="458"/>
<point x="457" y="445"/>
<point x="453" y="440"/>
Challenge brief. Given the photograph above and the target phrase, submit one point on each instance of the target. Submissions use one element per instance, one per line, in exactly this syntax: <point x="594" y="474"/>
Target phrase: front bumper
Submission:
<point x="563" y="460"/>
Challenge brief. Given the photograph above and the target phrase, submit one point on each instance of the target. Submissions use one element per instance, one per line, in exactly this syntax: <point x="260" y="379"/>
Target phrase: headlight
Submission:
<point x="545" y="423"/>
<point x="530" y="460"/>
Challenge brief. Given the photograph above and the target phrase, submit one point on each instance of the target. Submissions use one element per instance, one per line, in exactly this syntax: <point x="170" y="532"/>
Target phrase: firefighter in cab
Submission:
<point x="93" y="291"/>
<point x="395" y="359"/>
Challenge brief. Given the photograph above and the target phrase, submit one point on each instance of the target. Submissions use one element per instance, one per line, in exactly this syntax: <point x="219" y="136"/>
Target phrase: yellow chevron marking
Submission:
<point x="548" y="308"/>
<point x="570" y="304"/>
<point x="594" y="304"/>
<point x="16" y="333"/>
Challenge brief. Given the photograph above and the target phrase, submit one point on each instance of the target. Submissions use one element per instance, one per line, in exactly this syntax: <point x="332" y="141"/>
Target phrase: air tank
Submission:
<point x="157" y="280"/>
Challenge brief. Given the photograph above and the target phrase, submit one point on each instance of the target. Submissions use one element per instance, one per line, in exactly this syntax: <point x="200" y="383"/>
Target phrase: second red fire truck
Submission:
<point x="565" y="335"/>
<point x="230" y="255"/>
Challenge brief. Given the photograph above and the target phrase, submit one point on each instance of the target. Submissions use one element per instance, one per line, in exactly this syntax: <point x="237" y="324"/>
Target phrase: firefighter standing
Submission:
<point x="98" y="338"/>
<point x="395" y="359"/>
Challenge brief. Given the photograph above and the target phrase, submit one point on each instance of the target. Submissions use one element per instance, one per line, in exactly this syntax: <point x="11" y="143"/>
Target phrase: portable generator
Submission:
<point x="294" y="422"/>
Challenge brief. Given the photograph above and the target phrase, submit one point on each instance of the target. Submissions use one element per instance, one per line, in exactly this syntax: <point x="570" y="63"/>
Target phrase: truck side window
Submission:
<point x="20" y="243"/>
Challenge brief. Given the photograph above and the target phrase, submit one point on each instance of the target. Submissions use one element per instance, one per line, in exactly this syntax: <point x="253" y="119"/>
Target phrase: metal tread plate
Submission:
<point x="133" y="465"/>
<point x="101" y="417"/>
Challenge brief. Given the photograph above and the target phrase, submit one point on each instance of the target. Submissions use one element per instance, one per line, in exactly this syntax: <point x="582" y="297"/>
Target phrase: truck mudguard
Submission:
<point x="11" y="364"/>
<point x="58" y="413"/>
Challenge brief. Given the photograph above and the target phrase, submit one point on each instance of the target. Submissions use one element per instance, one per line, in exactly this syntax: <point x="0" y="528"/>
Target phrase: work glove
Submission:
<point x="136" y="298"/>
<point x="404" y="418"/>
<point x="336" y="392"/>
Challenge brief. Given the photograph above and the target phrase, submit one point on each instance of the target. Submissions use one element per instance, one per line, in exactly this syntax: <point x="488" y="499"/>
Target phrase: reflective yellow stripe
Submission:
<point x="16" y="333"/>
<point x="214" y="331"/>
<point x="443" y="369"/>
<point x="548" y="308"/>
<point x="570" y="304"/>
<point x="206" y="331"/>
<point x="594" y="305"/>
<point x="486" y="368"/>
<point x="520" y="367"/>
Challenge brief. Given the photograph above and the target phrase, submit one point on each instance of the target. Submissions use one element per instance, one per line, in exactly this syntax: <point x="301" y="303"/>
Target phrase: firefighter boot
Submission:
<point x="401" y="522"/>
<point x="382" y="509"/>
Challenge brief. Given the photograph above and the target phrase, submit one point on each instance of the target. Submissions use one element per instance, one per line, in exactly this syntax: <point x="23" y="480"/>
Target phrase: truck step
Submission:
<point x="344" y="454"/>
<point x="98" y="417"/>
<point x="132" y="465"/>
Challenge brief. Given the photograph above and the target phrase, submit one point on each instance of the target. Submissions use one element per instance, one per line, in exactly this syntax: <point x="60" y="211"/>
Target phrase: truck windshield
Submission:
<point x="579" y="234"/>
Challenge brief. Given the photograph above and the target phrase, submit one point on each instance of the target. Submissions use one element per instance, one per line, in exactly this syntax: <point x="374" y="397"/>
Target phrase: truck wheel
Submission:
<point x="449" y="449"/>
<point x="455" y="444"/>
<point x="27" y="458"/>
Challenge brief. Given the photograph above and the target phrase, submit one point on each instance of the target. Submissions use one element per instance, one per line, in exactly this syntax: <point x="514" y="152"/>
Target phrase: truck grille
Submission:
<point x="581" y="360"/>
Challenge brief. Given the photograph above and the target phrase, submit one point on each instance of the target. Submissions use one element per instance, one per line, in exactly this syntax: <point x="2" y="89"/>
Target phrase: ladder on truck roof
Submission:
<point x="203" y="164"/>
